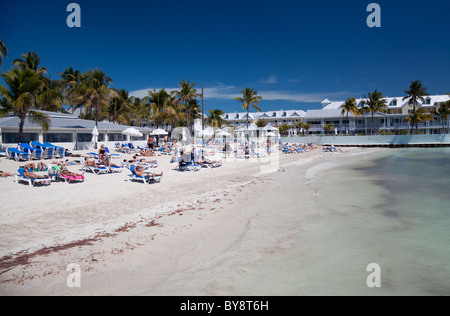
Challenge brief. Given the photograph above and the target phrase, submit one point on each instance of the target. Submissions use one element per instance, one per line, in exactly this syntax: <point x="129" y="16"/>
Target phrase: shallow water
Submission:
<point x="320" y="230"/>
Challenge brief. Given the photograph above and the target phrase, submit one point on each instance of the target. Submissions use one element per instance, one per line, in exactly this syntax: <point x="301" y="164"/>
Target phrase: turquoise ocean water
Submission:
<point x="389" y="207"/>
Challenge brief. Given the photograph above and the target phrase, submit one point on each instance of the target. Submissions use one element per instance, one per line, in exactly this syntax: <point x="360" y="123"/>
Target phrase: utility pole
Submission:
<point x="203" y="111"/>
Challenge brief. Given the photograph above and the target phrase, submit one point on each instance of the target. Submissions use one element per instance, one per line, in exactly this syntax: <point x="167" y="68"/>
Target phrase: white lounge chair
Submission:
<point x="94" y="170"/>
<point x="22" y="178"/>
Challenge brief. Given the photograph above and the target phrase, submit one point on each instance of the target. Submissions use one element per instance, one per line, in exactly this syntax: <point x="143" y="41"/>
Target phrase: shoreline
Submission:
<point x="179" y="221"/>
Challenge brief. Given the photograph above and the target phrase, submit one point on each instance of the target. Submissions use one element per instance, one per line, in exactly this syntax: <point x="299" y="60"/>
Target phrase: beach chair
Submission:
<point x="17" y="154"/>
<point x="35" y="153"/>
<point x="125" y="149"/>
<point x="48" y="152"/>
<point x="56" y="173"/>
<point x="187" y="166"/>
<point x="114" y="169"/>
<point x="134" y="176"/>
<point x="211" y="165"/>
<point x="112" y="155"/>
<point x="94" y="170"/>
<point x="21" y="178"/>
<point x="92" y="155"/>
<point x="58" y="151"/>
<point x="3" y="153"/>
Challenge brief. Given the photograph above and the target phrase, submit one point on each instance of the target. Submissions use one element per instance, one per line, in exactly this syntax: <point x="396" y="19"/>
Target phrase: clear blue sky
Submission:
<point x="294" y="53"/>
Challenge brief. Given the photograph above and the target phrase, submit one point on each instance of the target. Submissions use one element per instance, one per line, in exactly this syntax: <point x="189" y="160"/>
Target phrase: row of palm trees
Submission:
<point x="28" y="88"/>
<point x="375" y="103"/>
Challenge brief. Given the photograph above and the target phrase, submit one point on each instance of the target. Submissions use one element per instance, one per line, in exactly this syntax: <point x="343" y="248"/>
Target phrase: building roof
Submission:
<point x="61" y="121"/>
<point x="281" y="114"/>
<point x="391" y="104"/>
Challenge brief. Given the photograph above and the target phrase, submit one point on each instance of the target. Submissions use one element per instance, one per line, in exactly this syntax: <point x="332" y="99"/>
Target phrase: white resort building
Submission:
<point x="392" y="122"/>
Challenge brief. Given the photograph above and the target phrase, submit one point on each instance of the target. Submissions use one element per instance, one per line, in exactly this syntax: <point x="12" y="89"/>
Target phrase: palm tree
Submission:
<point x="52" y="97"/>
<point x="215" y="118"/>
<point x="415" y="93"/>
<point x="375" y="104"/>
<point x="19" y="96"/>
<point x="119" y="107"/>
<point x="185" y="95"/>
<point x="139" y="110"/>
<point x="348" y="107"/>
<point x="417" y="117"/>
<point x="328" y="128"/>
<point x="249" y="98"/>
<point x="3" y="52"/>
<point x="94" y="92"/>
<point x="284" y="128"/>
<point x="443" y="111"/>
<point x="260" y="123"/>
<point x="30" y="61"/>
<point x="70" y="79"/>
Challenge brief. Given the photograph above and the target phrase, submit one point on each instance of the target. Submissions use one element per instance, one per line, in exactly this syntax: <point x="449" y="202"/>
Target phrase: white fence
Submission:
<point x="437" y="139"/>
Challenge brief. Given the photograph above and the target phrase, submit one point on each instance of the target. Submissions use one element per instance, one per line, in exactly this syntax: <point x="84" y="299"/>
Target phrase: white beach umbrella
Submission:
<point x="223" y="133"/>
<point x="131" y="131"/>
<point x="159" y="132"/>
<point x="271" y="134"/>
<point x="95" y="134"/>
<point x="205" y="132"/>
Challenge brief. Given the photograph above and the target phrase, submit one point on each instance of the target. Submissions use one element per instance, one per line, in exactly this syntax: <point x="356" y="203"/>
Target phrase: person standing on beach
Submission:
<point x="150" y="142"/>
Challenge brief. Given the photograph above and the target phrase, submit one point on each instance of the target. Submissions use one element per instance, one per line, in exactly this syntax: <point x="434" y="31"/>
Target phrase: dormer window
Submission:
<point x="237" y="116"/>
<point x="274" y="114"/>
<point x="394" y="102"/>
<point x="284" y="114"/>
<point x="227" y="117"/>
<point x="428" y="101"/>
<point x="362" y="103"/>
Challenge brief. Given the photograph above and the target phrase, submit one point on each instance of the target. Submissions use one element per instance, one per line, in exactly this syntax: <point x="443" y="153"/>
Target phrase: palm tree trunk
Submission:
<point x="21" y="125"/>
<point x="248" y="113"/>
<point x="347" y="124"/>
<point x="371" y="132"/>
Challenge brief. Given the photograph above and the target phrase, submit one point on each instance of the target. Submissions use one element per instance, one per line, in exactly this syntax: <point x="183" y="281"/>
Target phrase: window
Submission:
<point x="284" y="114"/>
<point x="428" y="101"/>
<point x="274" y="114"/>
<point x="13" y="138"/>
<point x="394" y="103"/>
<point x="87" y="137"/>
<point x="58" y="138"/>
<point x="116" y="137"/>
<point x="226" y="117"/>
<point x="237" y="116"/>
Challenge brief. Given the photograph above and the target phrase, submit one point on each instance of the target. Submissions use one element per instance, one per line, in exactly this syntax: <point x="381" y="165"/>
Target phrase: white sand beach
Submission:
<point x="130" y="238"/>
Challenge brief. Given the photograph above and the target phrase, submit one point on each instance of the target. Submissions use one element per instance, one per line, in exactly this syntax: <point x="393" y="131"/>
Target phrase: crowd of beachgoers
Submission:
<point x="192" y="156"/>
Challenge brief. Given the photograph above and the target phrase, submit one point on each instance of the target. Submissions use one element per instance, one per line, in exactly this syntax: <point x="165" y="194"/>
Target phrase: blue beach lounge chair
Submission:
<point x="58" y="151"/>
<point x="48" y="152"/>
<point x="22" y="178"/>
<point x="35" y="153"/>
<point x="144" y="179"/>
<point x="94" y="170"/>
<point x="110" y="154"/>
<point x="17" y="154"/>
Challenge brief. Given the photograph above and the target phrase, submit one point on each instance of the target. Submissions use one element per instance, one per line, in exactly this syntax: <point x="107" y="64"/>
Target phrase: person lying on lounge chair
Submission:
<point x="202" y="161"/>
<point x="5" y="174"/>
<point x="105" y="161"/>
<point x="90" y="163"/>
<point x="29" y="174"/>
<point x="67" y="153"/>
<point x="40" y="166"/>
<point x="134" y="160"/>
<point x="140" y="172"/>
<point x="66" y="172"/>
